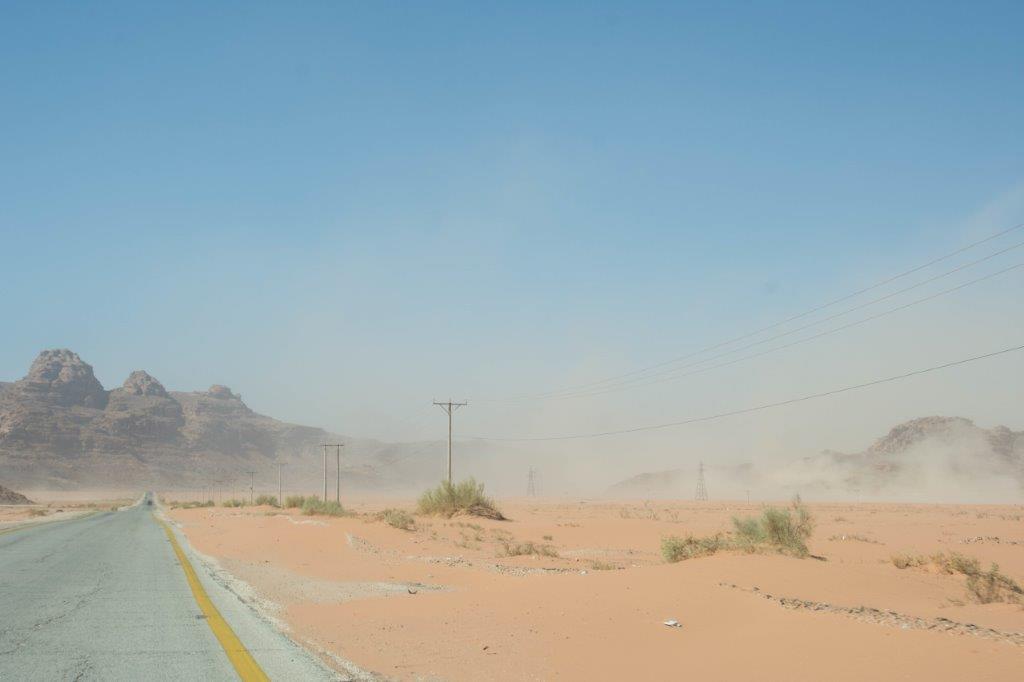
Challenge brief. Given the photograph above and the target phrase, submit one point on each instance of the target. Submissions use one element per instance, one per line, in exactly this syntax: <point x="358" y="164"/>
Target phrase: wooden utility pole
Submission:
<point x="449" y="407"/>
<point x="280" y="490"/>
<point x="251" y="474"/>
<point x="337" y="457"/>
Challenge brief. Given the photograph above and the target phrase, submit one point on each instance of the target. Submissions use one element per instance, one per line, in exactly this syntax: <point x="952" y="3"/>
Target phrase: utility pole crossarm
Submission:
<point x="449" y="407"/>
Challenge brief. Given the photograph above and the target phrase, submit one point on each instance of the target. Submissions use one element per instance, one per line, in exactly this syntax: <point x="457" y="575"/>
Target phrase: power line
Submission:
<point x="758" y="408"/>
<point x="644" y="370"/>
<point x="674" y="374"/>
<point x="634" y="381"/>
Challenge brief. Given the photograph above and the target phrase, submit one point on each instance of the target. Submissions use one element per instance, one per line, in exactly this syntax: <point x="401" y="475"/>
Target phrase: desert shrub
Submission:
<point x="855" y="537"/>
<point x="314" y="506"/>
<point x="294" y="501"/>
<point x="37" y="512"/>
<point x="784" y="530"/>
<point x="984" y="587"/>
<point x="675" y="549"/>
<point x="748" y="531"/>
<point x="992" y="586"/>
<point x="270" y="500"/>
<point x="233" y="503"/>
<point x="191" y="505"/>
<point x="604" y="566"/>
<point x="466" y="497"/>
<point x="526" y="549"/>
<point x="957" y="563"/>
<point x="902" y="561"/>
<point x="397" y="518"/>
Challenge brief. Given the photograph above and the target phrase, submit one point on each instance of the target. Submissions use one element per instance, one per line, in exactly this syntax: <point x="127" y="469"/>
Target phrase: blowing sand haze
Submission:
<point x="511" y="341"/>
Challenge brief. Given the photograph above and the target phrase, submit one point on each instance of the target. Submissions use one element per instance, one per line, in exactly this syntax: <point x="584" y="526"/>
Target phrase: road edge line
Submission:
<point x="245" y="665"/>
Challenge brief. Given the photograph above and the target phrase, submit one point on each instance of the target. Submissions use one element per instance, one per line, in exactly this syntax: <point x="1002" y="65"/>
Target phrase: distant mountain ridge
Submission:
<point x="60" y="428"/>
<point x="926" y="458"/>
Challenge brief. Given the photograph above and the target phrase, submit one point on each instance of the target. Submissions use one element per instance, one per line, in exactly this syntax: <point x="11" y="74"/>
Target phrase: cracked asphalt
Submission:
<point x="104" y="598"/>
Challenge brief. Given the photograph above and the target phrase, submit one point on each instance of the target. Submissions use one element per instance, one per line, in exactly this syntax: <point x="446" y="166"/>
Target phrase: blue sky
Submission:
<point x="343" y="210"/>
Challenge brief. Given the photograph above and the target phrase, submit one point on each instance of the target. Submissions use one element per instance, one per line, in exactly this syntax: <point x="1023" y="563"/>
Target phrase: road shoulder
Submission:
<point x="280" y="657"/>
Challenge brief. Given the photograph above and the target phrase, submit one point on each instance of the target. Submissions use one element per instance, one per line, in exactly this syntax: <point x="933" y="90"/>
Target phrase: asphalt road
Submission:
<point x="105" y="598"/>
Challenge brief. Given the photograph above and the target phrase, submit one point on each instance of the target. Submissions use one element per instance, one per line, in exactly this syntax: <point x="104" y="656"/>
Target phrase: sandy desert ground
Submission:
<point x="53" y="505"/>
<point x="442" y="602"/>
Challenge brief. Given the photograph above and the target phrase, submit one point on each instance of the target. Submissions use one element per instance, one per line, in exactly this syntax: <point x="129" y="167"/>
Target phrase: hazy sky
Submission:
<point x="345" y="210"/>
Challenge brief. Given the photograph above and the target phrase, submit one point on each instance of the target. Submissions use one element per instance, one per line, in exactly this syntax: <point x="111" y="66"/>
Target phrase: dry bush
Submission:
<point x="269" y="500"/>
<point x="992" y="586"/>
<point x="467" y="497"/>
<point x="675" y="549"/>
<point x="397" y="518"/>
<point x="855" y="537"/>
<point x="985" y="587"/>
<point x="294" y="501"/>
<point x="37" y="512"/>
<point x="604" y="566"/>
<point x="526" y="549"/>
<point x="192" y="505"/>
<point x="233" y="503"/>
<point x="902" y="561"/>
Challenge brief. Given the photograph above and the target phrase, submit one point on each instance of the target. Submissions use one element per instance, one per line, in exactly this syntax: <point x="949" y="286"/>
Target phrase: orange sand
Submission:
<point x="440" y="603"/>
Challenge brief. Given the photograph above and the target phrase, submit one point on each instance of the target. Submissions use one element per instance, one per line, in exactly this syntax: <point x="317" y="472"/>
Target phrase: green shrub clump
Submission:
<point x="294" y="501"/>
<point x="269" y="500"/>
<point x="313" y="506"/>
<point x="780" y="530"/>
<point x="233" y="503"/>
<point x="467" y="497"/>
<point x="784" y="530"/>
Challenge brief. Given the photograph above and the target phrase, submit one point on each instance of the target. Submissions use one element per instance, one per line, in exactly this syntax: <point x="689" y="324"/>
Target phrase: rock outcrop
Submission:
<point x="8" y="496"/>
<point x="60" y="428"/>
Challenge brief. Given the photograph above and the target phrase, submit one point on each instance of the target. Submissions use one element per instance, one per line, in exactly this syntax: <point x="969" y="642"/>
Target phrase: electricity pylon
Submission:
<point x="702" y="490"/>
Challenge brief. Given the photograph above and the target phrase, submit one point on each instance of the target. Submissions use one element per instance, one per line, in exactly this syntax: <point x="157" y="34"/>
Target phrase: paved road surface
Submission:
<point x="104" y="598"/>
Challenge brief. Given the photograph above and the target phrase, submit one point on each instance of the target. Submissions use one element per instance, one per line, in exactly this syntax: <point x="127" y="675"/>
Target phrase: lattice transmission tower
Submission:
<point x="531" y="483"/>
<point x="702" y="490"/>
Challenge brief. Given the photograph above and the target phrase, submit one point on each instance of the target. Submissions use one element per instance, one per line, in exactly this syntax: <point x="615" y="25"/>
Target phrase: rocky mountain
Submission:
<point x="928" y="459"/>
<point x="8" y="496"/>
<point x="950" y="458"/>
<point x="60" y="428"/>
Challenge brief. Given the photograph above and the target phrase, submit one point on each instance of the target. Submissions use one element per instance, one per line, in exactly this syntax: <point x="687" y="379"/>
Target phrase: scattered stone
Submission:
<point x="890" y="618"/>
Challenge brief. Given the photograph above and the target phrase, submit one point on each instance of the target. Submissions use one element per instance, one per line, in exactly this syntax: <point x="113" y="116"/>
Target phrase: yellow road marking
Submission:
<point x="245" y="665"/>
